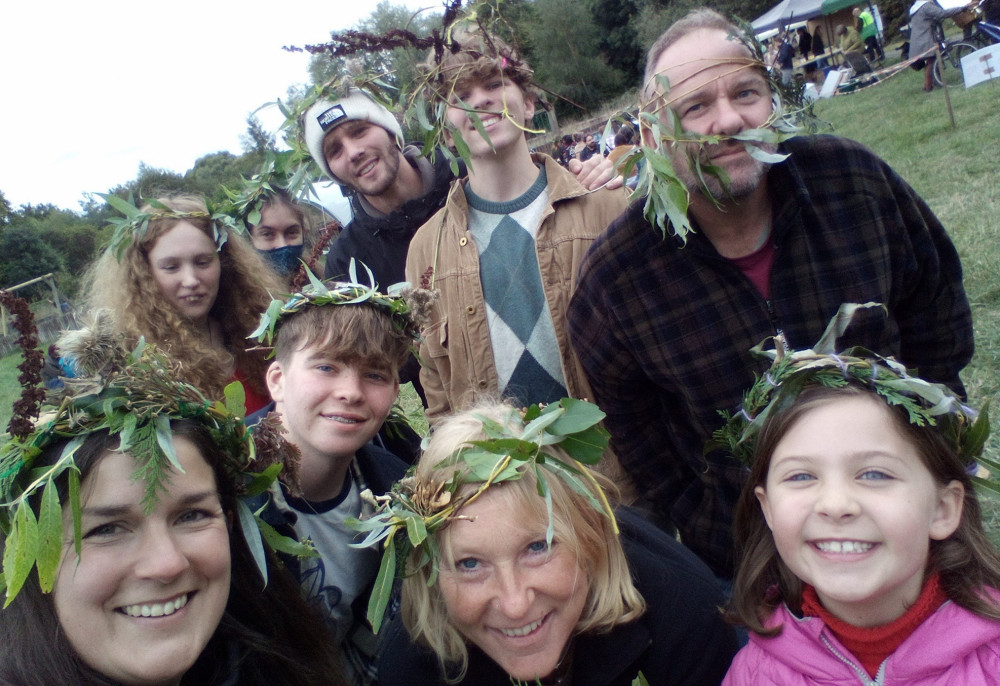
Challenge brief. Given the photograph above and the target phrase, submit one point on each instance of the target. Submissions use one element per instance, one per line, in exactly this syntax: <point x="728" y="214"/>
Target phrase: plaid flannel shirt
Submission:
<point x="664" y="331"/>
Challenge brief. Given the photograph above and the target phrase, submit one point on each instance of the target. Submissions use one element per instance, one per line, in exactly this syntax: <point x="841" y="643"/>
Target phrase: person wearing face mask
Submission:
<point x="279" y="236"/>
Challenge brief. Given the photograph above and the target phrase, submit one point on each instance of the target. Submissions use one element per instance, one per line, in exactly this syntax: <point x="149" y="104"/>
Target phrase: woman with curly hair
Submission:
<point x="184" y="284"/>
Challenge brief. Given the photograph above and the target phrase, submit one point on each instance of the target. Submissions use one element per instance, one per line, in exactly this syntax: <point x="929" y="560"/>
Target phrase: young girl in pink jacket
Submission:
<point x="864" y="559"/>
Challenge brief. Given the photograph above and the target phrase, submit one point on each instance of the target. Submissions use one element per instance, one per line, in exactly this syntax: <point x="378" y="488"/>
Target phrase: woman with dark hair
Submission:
<point x="126" y="503"/>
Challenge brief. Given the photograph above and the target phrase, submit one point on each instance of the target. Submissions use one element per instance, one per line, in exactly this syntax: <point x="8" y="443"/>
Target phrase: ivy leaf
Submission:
<point x="50" y="530"/>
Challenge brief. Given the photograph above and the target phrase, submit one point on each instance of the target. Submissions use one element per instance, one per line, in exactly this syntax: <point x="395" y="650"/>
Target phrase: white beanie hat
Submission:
<point x="326" y="115"/>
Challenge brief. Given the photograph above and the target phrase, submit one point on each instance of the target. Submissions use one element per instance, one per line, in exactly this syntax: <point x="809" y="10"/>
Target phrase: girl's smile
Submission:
<point x="853" y="511"/>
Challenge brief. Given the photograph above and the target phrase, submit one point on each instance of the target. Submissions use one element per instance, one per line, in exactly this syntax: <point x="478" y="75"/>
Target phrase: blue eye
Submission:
<point x="875" y="475"/>
<point x="800" y="476"/>
<point x="467" y="564"/>
<point x="539" y="546"/>
<point x="101" y="530"/>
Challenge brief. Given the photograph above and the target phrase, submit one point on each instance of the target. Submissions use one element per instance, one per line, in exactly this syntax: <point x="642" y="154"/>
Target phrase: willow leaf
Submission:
<point x="50" y="535"/>
<point x="165" y="439"/>
<point x="21" y="551"/>
<point x="253" y="537"/>
<point x="382" y="590"/>
<point x="236" y="398"/>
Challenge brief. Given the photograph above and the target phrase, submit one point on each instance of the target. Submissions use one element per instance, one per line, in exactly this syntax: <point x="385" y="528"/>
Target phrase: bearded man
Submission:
<point x="663" y="323"/>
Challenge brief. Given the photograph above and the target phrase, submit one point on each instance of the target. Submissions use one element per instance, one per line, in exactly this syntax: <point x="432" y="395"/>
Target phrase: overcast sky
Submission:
<point x="94" y="87"/>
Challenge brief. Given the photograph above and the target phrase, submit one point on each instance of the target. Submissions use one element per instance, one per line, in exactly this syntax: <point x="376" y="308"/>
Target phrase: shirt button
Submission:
<point x="471" y="309"/>
<point x="463" y="241"/>
<point x="482" y="384"/>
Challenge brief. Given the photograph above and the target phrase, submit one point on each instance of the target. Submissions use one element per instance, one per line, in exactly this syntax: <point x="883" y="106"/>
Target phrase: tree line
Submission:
<point x="584" y="52"/>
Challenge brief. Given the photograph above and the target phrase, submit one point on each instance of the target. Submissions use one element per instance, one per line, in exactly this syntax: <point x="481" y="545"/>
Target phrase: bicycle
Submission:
<point x="948" y="70"/>
<point x="983" y="33"/>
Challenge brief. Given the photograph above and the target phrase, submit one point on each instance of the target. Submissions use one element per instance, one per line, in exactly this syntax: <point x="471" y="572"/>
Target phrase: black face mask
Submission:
<point x="285" y="259"/>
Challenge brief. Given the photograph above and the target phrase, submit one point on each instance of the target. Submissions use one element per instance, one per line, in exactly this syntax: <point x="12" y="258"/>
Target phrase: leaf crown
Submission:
<point x="533" y="441"/>
<point x="132" y="394"/>
<point x="667" y="197"/>
<point x="281" y="172"/>
<point x="926" y="404"/>
<point x="132" y="227"/>
<point x="320" y="294"/>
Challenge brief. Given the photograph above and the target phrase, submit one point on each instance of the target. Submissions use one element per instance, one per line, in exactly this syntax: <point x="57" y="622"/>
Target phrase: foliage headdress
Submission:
<point x="407" y="518"/>
<point x="134" y="395"/>
<point x="132" y="227"/>
<point x="667" y="197"/>
<point x="925" y="403"/>
<point x="319" y="294"/>
<point x="473" y="30"/>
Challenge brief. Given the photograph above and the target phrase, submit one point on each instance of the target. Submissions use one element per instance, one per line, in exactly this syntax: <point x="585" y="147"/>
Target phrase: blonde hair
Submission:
<point x="126" y="289"/>
<point x="612" y="598"/>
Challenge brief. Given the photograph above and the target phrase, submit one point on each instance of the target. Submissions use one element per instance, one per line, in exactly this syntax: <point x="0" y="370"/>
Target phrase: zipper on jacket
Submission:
<point x="862" y="674"/>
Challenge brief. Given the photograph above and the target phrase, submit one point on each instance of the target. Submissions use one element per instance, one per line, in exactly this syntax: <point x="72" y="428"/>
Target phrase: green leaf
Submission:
<point x="236" y="399"/>
<point x="165" y="439"/>
<point x="74" y="504"/>
<point x="416" y="529"/>
<point x="587" y="447"/>
<point x="578" y="416"/>
<point x="123" y="206"/>
<point x="382" y="590"/>
<point x="262" y="481"/>
<point x="252" y="535"/>
<point x="284" y="544"/>
<point x="50" y="536"/>
<point x="21" y="550"/>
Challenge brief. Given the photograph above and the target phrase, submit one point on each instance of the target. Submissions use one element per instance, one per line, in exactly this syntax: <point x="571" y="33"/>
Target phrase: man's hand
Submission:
<point x="595" y="173"/>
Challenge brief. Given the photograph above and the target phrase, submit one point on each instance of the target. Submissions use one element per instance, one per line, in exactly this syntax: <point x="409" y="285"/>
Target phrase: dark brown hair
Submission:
<point x="967" y="562"/>
<point x="268" y="632"/>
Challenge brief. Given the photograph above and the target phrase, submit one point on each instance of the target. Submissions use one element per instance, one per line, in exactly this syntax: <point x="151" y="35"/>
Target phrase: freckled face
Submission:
<point x="147" y="592"/>
<point x="507" y="592"/>
<point x="853" y="509"/>
<point x="186" y="269"/>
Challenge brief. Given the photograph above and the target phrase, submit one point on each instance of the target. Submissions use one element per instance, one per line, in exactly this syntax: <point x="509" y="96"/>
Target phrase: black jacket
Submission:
<point x="681" y="640"/>
<point x="381" y="242"/>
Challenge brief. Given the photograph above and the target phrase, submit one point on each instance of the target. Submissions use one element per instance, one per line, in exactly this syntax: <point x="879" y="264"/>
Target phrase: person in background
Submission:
<point x="868" y="31"/>
<point x="848" y="39"/>
<point x="805" y="42"/>
<point x="280" y="234"/>
<point x="925" y="28"/>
